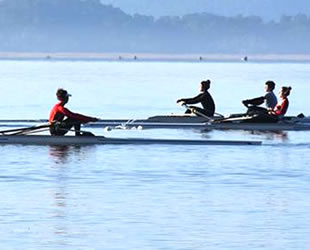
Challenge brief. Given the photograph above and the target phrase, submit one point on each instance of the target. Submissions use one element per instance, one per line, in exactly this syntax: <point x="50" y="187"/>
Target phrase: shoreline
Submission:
<point x="155" y="57"/>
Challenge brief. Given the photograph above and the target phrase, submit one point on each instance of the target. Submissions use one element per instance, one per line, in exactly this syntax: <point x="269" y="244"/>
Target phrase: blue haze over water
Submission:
<point x="153" y="197"/>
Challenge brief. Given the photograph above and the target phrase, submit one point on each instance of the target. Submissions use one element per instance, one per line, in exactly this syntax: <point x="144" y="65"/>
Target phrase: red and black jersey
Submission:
<point x="281" y="108"/>
<point x="58" y="113"/>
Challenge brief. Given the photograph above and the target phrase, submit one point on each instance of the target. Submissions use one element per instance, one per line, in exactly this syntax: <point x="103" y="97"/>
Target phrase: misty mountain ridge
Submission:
<point x="90" y="26"/>
<point x="266" y="9"/>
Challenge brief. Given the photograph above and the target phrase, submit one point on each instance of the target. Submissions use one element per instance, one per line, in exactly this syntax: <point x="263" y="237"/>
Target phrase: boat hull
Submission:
<point x="213" y="126"/>
<point x="183" y="122"/>
<point x="195" y="122"/>
<point x="94" y="140"/>
<point x="260" y="126"/>
<point x="184" y="118"/>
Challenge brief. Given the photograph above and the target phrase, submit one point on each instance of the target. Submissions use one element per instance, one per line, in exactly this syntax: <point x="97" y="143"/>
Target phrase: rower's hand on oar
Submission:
<point x="94" y="119"/>
<point x="56" y="123"/>
<point x="245" y="103"/>
<point x="181" y="102"/>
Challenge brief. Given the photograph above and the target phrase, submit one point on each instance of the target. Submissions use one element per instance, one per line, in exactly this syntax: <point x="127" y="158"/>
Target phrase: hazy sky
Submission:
<point x="268" y="9"/>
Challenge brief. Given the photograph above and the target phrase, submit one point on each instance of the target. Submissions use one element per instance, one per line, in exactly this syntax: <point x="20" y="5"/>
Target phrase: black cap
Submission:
<point x="62" y="94"/>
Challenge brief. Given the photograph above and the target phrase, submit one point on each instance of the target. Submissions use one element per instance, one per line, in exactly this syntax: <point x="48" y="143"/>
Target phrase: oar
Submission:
<point x="82" y="132"/>
<point x="198" y="113"/>
<point x="23" y="120"/>
<point x="21" y="130"/>
<point x="222" y="116"/>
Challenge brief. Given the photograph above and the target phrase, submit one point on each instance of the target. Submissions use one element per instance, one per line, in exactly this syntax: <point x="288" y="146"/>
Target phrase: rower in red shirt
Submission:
<point x="61" y="126"/>
<point x="280" y="109"/>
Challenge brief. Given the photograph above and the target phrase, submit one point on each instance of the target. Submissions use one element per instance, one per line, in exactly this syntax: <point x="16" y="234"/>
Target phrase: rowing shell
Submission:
<point x="209" y="126"/>
<point x="194" y="122"/>
<point x="184" y="122"/>
<point x="200" y="126"/>
<point x="260" y="126"/>
<point x="93" y="140"/>
<point x="184" y="118"/>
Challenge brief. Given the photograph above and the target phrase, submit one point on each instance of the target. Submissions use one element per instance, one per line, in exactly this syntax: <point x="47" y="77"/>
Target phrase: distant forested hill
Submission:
<point x="89" y="26"/>
<point x="266" y="9"/>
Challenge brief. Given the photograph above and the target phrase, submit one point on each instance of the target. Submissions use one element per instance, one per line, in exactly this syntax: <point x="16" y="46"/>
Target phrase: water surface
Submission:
<point x="152" y="197"/>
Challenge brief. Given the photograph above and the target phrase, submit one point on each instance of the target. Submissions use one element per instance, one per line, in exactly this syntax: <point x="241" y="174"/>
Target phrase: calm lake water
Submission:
<point x="153" y="197"/>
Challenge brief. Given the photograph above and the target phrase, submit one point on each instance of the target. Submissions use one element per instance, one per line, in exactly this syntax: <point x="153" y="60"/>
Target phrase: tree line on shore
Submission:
<point x="89" y="26"/>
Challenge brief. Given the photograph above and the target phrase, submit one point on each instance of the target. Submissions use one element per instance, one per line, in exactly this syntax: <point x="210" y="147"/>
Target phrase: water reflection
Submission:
<point x="272" y="135"/>
<point x="59" y="153"/>
<point x="276" y="135"/>
<point x="64" y="171"/>
<point x="63" y="154"/>
<point x="60" y="210"/>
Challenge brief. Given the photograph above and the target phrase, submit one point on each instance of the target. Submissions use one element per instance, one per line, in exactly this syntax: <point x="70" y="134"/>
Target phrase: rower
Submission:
<point x="59" y="125"/>
<point x="281" y="108"/>
<point x="277" y="113"/>
<point x="204" y="98"/>
<point x="269" y="98"/>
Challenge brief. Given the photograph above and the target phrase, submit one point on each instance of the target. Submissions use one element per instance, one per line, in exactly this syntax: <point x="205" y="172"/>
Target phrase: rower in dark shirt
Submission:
<point x="269" y="98"/>
<point x="204" y="98"/>
<point x="59" y="125"/>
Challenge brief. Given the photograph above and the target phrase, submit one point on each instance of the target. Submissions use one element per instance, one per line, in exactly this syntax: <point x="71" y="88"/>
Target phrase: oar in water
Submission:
<point x="24" y="130"/>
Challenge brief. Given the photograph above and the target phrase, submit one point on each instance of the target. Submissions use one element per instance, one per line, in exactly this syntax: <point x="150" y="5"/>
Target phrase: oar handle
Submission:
<point x="78" y="131"/>
<point x="197" y="112"/>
